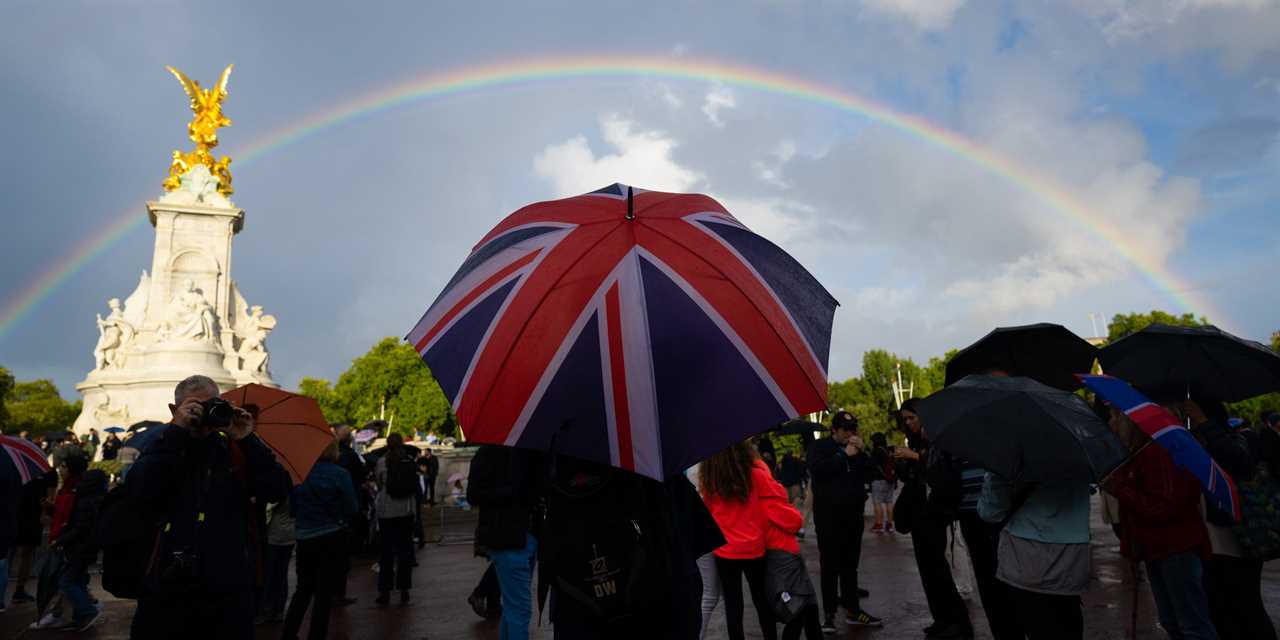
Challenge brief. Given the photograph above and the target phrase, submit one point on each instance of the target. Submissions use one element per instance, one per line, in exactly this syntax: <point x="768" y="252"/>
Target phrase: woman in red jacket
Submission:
<point x="752" y="510"/>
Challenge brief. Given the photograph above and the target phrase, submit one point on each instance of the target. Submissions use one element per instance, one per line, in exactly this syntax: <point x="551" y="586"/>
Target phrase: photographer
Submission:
<point x="199" y="481"/>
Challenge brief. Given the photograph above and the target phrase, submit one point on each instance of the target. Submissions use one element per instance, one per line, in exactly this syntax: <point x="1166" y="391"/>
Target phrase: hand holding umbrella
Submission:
<point x="1168" y="432"/>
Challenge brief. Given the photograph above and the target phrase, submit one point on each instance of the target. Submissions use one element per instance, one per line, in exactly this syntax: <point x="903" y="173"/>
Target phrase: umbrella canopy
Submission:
<point x="27" y="459"/>
<point x="1047" y="353"/>
<point x="798" y="428"/>
<point x="639" y="329"/>
<point x="366" y="435"/>
<point x="290" y="424"/>
<point x="142" y="434"/>
<point x="48" y="577"/>
<point x="1021" y="430"/>
<point x="1202" y="361"/>
<point x="1167" y="431"/>
<point x="114" y="430"/>
<point x="456" y="477"/>
<point x="55" y="436"/>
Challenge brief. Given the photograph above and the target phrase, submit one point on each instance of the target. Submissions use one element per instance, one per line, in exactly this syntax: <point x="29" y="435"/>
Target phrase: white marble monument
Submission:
<point x="186" y="315"/>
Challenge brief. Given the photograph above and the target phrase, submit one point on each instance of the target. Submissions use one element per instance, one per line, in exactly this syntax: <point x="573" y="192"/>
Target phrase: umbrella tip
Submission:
<point x="631" y="207"/>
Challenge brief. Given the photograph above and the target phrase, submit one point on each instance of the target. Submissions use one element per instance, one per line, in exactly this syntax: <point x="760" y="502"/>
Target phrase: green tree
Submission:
<point x="37" y="407"/>
<point x="934" y="375"/>
<point x="322" y="392"/>
<point x="1275" y="341"/>
<point x="6" y="386"/>
<point x="389" y="381"/>
<point x="1123" y="324"/>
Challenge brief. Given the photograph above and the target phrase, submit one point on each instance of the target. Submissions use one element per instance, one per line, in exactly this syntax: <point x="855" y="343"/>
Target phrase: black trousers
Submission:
<point x="807" y="622"/>
<point x="731" y="574"/>
<point x="983" y="538"/>
<point x="1234" y="587"/>
<point x="1048" y="617"/>
<point x="194" y="617"/>
<point x="319" y="573"/>
<point x="929" y="542"/>
<point x="352" y="541"/>
<point x="839" y="531"/>
<point x="431" y="489"/>
<point x="395" y="563"/>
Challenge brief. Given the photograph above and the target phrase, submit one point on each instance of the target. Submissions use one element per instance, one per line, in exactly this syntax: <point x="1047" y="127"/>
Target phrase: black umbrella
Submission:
<point x="797" y="428"/>
<point x="1022" y="430"/>
<point x="56" y="436"/>
<point x="1049" y="353"/>
<point x="1201" y="361"/>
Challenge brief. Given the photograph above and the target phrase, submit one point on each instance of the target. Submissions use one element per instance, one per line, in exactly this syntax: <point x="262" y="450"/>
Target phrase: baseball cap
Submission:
<point x="844" y="420"/>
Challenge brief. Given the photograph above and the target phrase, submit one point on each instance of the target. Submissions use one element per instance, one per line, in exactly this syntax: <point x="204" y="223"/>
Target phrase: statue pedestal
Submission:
<point x="186" y="317"/>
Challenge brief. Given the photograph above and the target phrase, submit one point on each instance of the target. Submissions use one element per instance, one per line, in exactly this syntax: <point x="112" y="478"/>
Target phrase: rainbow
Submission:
<point x="479" y="78"/>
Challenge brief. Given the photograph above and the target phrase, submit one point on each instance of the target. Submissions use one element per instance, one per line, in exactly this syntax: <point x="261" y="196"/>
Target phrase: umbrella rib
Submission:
<point x="795" y="358"/>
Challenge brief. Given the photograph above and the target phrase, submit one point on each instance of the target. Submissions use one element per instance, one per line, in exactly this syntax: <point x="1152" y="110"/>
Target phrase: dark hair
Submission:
<point x="76" y="465"/>
<point x="878" y="439"/>
<point x="912" y="405"/>
<point x="395" y="447"/>
<point x="1214" y="410"/>
<point x="727" y="474"/>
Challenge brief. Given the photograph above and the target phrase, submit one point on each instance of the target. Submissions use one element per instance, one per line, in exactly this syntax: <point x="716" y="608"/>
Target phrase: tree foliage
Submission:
<point x="6" y="386"/>
<point x="389" y="382"/>
<point x="1275" y="341"/>
<point x="37" y="407"/>
<point x="1123" y="324"/>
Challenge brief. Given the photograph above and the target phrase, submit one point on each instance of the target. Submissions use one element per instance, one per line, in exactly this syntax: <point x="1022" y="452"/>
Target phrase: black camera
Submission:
<point x="180" y="572"/>
<point x="218" y="413"/>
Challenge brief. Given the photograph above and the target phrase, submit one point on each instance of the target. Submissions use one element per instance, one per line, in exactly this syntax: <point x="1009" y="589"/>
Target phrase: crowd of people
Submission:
<point x="204" y="527"/>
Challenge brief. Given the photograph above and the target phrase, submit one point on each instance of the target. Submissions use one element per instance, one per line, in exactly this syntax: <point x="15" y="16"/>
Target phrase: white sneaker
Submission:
<point x="49" y="621"/>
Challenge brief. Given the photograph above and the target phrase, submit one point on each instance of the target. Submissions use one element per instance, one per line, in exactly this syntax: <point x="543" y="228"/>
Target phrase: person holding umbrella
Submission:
<point x="1160" y="509"/>
<point x="1232" y="579"/>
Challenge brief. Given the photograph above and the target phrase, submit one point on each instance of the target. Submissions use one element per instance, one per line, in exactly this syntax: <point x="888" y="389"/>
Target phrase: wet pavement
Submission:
<point x="448" y="571"/>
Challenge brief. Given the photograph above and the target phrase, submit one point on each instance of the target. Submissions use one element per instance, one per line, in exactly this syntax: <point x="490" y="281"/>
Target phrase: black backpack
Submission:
<point x="127" y="533"/>
<point x="605" y="545"/>
<point x="402" y="478"/>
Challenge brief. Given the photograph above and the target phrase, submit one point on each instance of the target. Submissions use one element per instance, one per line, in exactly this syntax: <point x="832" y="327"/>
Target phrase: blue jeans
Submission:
<point x="74" y="585"/>
<point x="1177" y="582"/>
<point x="515" y="579"/>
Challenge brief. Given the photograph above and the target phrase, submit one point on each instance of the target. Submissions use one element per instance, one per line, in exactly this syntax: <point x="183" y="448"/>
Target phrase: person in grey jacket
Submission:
<point x="1043" y="553"/>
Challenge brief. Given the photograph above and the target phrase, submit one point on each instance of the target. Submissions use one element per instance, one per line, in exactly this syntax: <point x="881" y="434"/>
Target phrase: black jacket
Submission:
<point x="942" y="474"/>
<point x="503" y="483"/>
<point x="77" y="536"/>
<point x="838" y="480"/>
<point x="431" y="465"/>
<point x="1232" y="451"/>
<point x="201" y="499"/>
<point x="350" y="460"/>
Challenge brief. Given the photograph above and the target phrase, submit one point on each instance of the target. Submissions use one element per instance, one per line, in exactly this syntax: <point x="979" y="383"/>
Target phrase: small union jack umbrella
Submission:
<point x="26" y="457"/>
<point x="639" y="329"/>
<point x="1168" y="432"/>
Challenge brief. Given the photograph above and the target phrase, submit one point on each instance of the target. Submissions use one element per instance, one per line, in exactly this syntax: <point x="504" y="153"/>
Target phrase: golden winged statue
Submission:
<point x="206" y="104"/>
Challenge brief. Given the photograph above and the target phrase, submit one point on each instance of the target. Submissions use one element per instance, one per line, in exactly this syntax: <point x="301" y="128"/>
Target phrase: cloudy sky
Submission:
<point x="1159" y="118"/>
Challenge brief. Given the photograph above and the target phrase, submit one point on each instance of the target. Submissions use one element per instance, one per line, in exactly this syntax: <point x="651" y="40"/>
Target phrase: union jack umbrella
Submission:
<point x="26" y="457"/>
<point x="640" y="329"/>
<point x="1168" y="432"/>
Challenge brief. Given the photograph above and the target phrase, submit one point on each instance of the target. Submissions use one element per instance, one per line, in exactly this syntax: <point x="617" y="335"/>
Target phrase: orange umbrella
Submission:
<point x="292" y="425"/>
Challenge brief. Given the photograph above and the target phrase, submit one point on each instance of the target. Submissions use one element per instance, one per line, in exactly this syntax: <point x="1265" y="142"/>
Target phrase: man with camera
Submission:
<point x="199" y="481"/>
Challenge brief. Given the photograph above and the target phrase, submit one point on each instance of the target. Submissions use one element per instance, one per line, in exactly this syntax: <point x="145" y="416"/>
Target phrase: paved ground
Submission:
<point x="448" y="572"/>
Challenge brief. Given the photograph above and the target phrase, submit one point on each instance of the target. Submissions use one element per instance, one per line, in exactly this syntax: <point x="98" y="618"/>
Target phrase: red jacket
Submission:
<point x="63" y="502"/>
<point x="1160" y="507"/>
<point x="765" y="520"/>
